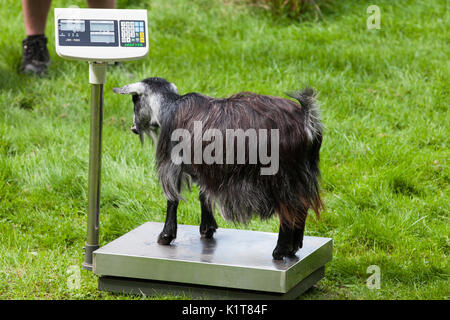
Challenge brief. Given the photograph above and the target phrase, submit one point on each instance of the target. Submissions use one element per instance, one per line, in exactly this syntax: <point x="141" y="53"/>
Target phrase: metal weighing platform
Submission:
<point x="234" y="264"/>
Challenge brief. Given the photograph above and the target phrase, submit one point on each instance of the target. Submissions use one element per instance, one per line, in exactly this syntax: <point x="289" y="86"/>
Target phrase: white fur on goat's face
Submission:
<point x="153" y="100"/>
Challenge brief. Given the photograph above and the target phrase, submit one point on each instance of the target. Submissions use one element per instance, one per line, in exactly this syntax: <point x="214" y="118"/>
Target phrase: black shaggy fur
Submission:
<point x="238" y="190"/>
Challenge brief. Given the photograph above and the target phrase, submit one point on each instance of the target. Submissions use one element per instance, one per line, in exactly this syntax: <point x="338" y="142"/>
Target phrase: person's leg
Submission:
<point x="107" y="4"/>
<point x="35" y="14"/>
<point x="35" y="53"/>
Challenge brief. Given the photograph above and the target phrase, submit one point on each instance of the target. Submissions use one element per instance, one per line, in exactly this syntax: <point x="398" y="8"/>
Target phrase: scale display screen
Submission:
<point x="102" y="26"/>
<point x="102" y="37"/>
<point x="72" y="25"/>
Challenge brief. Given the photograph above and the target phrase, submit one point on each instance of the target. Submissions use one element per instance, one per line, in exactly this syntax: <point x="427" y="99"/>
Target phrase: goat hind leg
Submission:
<point x="298" y="238"/>
<point x="208" y="225"/>
<point x="299" y="229"/>
<point x="285" y="242"/>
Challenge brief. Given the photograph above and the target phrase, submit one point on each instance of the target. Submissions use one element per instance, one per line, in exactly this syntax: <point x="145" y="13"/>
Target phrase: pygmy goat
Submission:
<point x="196" y="142"/>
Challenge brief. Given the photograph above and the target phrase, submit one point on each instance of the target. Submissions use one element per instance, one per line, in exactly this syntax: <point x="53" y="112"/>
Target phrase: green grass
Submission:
<point x="384" y="101"/>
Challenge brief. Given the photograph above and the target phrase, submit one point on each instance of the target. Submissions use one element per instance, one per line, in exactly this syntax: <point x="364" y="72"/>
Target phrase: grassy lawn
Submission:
<point x="384" y="101"/>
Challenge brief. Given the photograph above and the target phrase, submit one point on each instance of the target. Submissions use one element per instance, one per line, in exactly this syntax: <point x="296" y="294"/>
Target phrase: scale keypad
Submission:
<point x="132" y="33"/>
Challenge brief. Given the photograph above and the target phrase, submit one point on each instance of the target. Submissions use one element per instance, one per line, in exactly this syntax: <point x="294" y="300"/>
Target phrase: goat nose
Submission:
<point x="134" y="129"/>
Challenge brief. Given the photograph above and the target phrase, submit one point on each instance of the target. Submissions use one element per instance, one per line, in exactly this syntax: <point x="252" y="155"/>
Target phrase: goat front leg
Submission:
<point x="208" y="224"/>
<point x="169" y="231"/>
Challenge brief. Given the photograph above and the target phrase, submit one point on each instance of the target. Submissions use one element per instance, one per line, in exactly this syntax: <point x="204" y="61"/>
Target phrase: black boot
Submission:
<point x="36" y="58"/>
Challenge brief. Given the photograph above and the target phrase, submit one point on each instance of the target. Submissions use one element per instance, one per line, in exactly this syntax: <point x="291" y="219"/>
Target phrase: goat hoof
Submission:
<point x="280" y="253"/>
<point x="277" y="256"/>
<point x="165" y="238"/>
<point x="208" y="233"/>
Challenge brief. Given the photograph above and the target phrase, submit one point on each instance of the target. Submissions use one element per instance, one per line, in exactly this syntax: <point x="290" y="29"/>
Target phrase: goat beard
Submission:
<point x="151" y="133"/>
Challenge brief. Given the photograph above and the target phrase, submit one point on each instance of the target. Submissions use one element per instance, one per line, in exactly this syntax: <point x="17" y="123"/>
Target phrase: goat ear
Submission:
<point x="133" y="88"/>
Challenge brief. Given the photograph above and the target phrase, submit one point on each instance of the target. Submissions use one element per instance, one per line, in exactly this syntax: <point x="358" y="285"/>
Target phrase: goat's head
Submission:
<point x="149" y="96"/>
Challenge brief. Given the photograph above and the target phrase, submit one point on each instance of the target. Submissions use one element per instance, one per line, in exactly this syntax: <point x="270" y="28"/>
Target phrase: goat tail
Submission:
<point x="309" y="105"/>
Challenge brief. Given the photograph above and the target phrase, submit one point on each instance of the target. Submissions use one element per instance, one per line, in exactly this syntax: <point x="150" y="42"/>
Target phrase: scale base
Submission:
<point x="234" y="264"/>
<point x="182" y="290"/>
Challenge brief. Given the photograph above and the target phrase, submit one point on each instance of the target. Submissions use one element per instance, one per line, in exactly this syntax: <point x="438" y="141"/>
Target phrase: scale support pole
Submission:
<point x="97" y="78"/>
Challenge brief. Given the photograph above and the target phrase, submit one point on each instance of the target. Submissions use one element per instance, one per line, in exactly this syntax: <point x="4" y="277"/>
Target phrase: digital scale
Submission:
<point x="234" y="264"/>
<point x="101" y="35"/>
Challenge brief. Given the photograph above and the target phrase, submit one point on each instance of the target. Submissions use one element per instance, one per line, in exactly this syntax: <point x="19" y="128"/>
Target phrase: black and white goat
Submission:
<point x="237" y="187"/>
